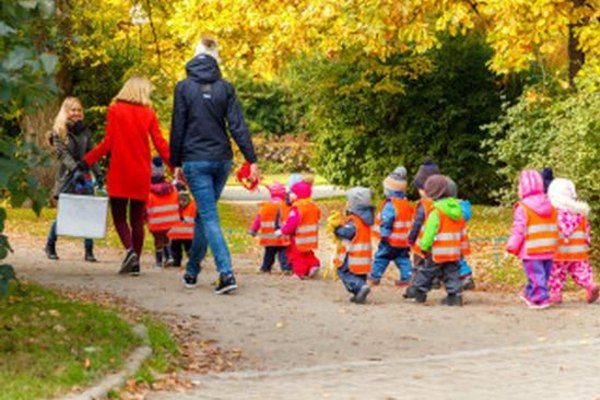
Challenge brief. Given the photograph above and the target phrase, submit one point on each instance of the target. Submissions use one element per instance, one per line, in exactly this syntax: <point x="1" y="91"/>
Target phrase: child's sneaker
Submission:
<point x="453" y="300"/>
<point x="225" y="284"/>
<point x="410" y="292"/>
<point x="313" y="271"/>
<point x="420" y="297"/>
<point x="361" y="296"/>
<point x="555" y="298"/>
<point x="296" y="277"/>
<point x="591" y="294"/>
<point x="189" y="281"/>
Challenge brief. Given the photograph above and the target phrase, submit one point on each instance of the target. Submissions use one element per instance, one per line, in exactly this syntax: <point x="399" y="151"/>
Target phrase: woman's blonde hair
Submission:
<point x="60" y="121"/>
<point x="136" y="90"/>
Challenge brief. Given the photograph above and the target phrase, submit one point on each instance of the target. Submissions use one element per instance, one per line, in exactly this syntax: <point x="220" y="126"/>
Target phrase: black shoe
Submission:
<point x="135" y="270"/>
<point x="420" y="297"/>
<point x="468" y="284"/>
<point x="129" y="262"/>
<point x="190" y="281"/>
<point x="225" y="284"/>
<point x="409" y="293"/>
<point x="453" y="300"/>
<point x="50" y="251"/>
<point x="89" y="256"/>
<point x="362" y="294"/>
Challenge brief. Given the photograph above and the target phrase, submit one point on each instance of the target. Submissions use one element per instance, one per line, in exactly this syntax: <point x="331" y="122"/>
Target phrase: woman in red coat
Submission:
<point x="130" y="124"/>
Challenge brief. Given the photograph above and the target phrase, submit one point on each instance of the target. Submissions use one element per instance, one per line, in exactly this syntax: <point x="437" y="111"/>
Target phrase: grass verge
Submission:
<point x="50" y="344"/>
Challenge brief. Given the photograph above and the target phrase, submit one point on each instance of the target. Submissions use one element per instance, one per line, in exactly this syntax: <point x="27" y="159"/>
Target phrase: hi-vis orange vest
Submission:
<point x="306" y="236"/>
<point x="427" y="207"/>
<point x="575" y="247"/>
<point x="451" y="241"/>
<point x="402" y="223"/>
<point x="184" y="229"/>
<point x="541" y="235"/>
<point x="271" y="215"/>
<point x="358" y="250"/>
<point x="162" y="211"/>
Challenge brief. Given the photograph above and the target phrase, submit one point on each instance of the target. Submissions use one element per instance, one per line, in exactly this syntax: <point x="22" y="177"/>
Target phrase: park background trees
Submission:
<point x="374" y="83"/>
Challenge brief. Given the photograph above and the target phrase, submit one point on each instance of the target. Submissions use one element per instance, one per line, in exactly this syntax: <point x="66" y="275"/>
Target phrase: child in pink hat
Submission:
<point x="534" y="237"/>
<point x="302" y="225"/>
<point x="266" y="223"/>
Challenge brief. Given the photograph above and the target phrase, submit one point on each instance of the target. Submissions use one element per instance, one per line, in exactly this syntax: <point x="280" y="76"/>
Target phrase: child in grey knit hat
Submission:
<point x="353" y="255"/>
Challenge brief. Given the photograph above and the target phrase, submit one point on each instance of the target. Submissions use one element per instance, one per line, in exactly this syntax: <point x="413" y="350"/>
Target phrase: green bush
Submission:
<point x="365" y="123"/>
<point x="562" y="131"/>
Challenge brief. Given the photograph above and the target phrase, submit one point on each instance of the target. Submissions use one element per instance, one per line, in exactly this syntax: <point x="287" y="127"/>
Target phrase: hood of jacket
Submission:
<point x="366" y="213"/>
<point x="539" y="203"/>
<point x="203" y="69"/>
<point x="450" y="206"/>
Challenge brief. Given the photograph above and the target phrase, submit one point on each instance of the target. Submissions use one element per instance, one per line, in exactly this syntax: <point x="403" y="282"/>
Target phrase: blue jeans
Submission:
<point x="52" y="237"/>
<point x="351" y="281"/>
<point x="386" y="253"/>
<point x="206" y="180"/>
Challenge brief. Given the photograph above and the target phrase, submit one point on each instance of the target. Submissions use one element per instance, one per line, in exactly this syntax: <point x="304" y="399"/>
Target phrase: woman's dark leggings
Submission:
<point x="132" y="235"/>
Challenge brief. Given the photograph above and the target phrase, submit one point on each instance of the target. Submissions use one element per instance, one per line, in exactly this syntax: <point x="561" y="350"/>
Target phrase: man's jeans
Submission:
<point x="52" y="237"/>
<point x="206" y="180"/>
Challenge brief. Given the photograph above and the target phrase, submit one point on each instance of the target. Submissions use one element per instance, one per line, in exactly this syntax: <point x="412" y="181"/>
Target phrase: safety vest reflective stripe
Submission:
<point x="168" y="207"/>
<point x="448" y="236"/>
<point x="542" y="228"/>
<point x="307" y="228"/>
<point x="574" y="247"/>
<point x="307" y="240"/>
<point x="306" y="236"/>
<point x="188" y="220"/>
<point x="445" y="250"/>
<point x="160" y="220"/>
<point x="181" y="229"/>
<point x="541" y="233"/>
<point x="402" y="224"/>
<point x="359" y="250"/>
<point x="271" y="215"/>
<point x="398" y="236"/>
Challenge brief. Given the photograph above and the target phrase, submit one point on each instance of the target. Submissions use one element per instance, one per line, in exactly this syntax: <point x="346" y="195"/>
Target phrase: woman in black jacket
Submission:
<point x="71" y="139"/>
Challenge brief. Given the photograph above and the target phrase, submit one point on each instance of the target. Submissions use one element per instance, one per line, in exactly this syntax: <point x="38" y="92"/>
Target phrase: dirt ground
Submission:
<point x="280" y="324"/>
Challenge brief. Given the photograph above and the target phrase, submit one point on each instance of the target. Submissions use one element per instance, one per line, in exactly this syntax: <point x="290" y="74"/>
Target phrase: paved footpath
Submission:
<point x="566" y="370"/>
<point x="304" y="340"/>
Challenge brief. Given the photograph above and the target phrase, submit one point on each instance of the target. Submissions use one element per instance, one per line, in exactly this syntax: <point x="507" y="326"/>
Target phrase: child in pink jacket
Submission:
<point x="572" y="257"/>
<point x="534" y="237"/>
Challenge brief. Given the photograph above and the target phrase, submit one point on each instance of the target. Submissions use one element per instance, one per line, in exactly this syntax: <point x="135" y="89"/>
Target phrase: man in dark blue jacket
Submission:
<point x="204" y="107"/>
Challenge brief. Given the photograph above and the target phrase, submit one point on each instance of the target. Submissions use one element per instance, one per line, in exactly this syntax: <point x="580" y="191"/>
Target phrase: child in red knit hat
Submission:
<point x="302" y="225"/>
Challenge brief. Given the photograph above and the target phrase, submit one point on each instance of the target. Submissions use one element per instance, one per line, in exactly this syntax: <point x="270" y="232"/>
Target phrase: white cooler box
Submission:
<point x="81" y="216"/>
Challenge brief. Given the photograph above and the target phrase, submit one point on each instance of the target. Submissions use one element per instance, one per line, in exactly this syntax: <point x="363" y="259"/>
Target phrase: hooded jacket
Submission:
<point x="571" y="211"/>
<point x="450" y="207"/>
<point x="203" y="105"/>
<point x="531" y="193"/>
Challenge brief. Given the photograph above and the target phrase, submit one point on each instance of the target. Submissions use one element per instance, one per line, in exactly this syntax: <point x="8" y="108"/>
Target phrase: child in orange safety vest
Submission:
<point x="445" y="239"/>
<point x="302" y="225"/>
<point x="572" y="256"/>
<point x="267" y="222"/>
<point x="534" y="237"/>
<point x="354" y="253"/>
<point x="162" y="213"/>
<point x="392" y="225"/>
<point x="182" y="233"/>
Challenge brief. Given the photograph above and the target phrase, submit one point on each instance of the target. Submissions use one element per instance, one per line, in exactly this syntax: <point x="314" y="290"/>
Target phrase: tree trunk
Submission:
<point x="576" y="56"/>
